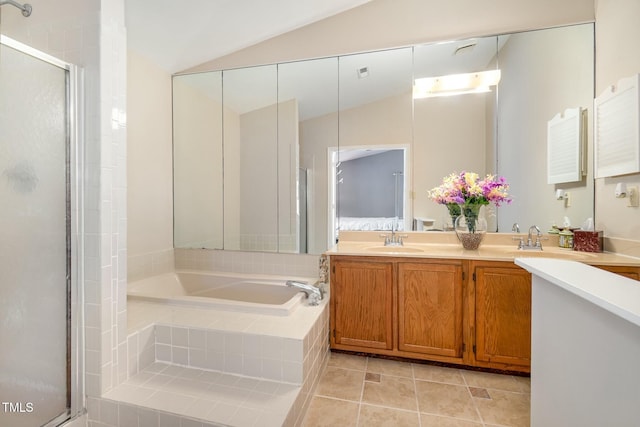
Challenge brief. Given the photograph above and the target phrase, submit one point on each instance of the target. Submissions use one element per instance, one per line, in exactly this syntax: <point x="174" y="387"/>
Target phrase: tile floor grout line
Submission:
<point x="464" y="378"/>
<point x="415" y="393"/>
<point x="364" y="376"/>
<point x="377" y="405"/>
<point x="324" y="396"/>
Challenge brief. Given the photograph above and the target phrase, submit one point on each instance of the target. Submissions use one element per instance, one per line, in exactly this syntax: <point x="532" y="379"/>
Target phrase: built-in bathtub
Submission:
<point x="184" y="328"/>
<point x="223" y="291"/>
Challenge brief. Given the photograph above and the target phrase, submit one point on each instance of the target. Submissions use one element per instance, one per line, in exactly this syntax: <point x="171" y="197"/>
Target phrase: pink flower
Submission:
<point x="466" y="188"/>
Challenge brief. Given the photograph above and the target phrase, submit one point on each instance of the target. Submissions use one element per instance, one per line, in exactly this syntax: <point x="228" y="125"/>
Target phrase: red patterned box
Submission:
<point x="587" y="241"/>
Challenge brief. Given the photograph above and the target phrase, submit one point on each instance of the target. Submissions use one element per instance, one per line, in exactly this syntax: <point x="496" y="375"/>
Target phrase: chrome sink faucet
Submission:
<point x="314" y="293"/>
<point x="530" y="244"/>
<point x="394" y="239"/>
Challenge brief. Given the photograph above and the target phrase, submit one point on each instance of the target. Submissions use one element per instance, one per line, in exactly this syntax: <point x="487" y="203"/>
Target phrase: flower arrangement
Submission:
<point x="465" y="193"/>
<point x="466" y="188"/>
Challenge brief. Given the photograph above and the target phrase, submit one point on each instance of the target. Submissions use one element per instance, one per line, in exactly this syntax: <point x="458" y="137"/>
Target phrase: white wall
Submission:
<point x="523" y="113"/>
<point x="288" y="162"/>
<point x="449" y="138"/>
<point x="232" y="170"/>
<point x="617" y="56"/>
<point x="317" y="135"/>
<point x="267" y="171"/>
<point x="259" y="179"/>
<point x="149" y="178"/>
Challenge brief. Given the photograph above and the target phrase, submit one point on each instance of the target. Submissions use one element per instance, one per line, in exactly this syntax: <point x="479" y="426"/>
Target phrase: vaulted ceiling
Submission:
<point x="178" y="35"/>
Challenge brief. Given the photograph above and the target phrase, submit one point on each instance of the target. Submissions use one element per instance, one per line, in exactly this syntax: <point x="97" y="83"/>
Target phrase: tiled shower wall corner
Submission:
<point x="247" y="262"/>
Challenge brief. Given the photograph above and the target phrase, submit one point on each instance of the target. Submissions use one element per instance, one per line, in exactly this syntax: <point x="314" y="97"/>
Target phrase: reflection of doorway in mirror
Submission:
<point x="369" y="189"/>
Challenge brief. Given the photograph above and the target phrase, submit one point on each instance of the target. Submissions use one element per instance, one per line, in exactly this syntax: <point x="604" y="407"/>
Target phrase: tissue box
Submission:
<point x="587" y="241"/>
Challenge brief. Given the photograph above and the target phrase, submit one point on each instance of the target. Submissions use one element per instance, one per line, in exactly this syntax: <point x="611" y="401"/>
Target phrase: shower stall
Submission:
<point x="40" y="239"/>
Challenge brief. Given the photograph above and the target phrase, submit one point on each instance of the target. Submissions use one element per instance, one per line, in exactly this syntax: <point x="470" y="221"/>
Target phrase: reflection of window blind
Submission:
<point x="565" y="141"/>
<point x="617" y="142"/>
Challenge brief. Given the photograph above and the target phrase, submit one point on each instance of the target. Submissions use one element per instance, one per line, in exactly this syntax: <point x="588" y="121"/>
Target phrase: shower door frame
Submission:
<point x="75" y="227"/>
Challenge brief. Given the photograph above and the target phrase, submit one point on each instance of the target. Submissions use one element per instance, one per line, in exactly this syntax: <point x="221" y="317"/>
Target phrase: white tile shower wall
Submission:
<point x="247" y="262"/>
<point x="112" y="200"/>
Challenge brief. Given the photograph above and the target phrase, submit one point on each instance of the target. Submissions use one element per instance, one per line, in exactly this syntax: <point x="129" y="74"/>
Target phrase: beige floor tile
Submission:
<point x="505" y="408"/>
<point x="524" y="383"/>
<point x="330" y="413"/>
<point x="446" y="399"/>
<point x="341" y="383"/>
<point x="390" y="367"/>
<point x="376" y="416"/>
<point x="427" y="420"/>
<point x="437" y="374"/>
<point x="347" y="361"/>
<point x="492" y="381"/>
<point x="395" y="392"/>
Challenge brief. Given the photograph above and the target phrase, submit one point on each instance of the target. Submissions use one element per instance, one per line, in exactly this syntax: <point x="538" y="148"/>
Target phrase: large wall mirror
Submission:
<point x="283" y="157"/>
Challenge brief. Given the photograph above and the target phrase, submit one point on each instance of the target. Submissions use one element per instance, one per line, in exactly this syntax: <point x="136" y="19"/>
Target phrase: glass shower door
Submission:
<point x="35" y="248"/>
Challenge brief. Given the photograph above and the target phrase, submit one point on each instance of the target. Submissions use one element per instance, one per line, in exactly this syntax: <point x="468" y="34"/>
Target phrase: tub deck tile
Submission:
<point x="207" y="396"/>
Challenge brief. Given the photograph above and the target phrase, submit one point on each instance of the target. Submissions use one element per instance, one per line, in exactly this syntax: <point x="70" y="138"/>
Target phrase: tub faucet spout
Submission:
<point x="314" y="293"/>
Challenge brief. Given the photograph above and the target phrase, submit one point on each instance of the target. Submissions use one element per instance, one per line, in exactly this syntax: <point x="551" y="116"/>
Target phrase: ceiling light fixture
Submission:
<point x="455" y="84"/>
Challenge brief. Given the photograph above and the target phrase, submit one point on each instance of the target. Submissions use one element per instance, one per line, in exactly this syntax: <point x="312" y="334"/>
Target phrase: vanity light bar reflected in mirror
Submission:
<point x="455" y="84"/>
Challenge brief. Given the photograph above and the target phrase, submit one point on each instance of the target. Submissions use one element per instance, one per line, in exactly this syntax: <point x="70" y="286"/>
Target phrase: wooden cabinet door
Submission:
<point x="430" y="308"/>
<point x="502" y="314"/>
<point x="362" y="304"/>
<point x="630" y="272"/>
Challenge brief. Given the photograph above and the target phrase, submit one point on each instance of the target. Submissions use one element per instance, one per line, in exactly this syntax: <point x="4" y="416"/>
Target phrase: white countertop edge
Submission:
<point x="612" y="292"/>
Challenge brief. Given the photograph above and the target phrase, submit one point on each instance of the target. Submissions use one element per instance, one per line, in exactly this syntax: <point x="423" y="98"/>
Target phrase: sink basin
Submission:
<point x="553" y="253"/>
<point x="394" y="249"/>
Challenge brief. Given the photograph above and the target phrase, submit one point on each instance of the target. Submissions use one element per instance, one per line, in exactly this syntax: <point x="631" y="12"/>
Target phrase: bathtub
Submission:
<point x="259" y="294"/>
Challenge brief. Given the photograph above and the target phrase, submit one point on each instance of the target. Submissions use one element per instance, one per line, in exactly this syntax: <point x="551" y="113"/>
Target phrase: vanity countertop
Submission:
<point x="620" y="296"/>
<point x="495" y="247"/>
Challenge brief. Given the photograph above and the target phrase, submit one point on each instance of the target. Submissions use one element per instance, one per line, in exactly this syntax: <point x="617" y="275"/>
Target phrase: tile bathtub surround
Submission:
<point x="262" y="356"/>
<point x="244" y="346"/>
<point x="198" y="396"/>
<point x="283" y="348"/>
<point x="365" y="391"/>
<point x="247" y="262"/>
<point x="151" y="264"/>
<point x="141" y="349"/>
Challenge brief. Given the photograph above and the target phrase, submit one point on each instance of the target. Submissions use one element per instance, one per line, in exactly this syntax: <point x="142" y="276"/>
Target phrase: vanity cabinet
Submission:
<point x="626" y="271"/>
<point x="461" y="311"/>
<point x="392" y="307"/>
<point x="362" y="304"/>
<point x="430" y="308"/>
<point x="502" y="311"/>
